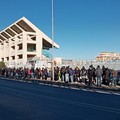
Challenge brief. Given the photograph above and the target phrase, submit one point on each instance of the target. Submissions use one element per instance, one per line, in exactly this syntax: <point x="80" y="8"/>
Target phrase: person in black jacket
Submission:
<point x="90" y="74"/>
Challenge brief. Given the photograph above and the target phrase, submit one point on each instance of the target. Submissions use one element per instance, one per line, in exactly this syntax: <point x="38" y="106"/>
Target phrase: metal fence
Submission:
<point x="86" y="63"/>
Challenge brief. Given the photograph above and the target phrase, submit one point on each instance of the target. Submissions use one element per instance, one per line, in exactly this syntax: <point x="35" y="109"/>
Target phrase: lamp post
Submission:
<point x="53" y="40"/>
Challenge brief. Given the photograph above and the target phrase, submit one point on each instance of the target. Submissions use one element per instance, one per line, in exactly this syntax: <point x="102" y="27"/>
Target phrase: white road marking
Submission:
<point x="83" y="89"/>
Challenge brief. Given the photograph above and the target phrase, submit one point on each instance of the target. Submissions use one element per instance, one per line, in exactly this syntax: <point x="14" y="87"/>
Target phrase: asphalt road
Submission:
<point x="29" y="101"/>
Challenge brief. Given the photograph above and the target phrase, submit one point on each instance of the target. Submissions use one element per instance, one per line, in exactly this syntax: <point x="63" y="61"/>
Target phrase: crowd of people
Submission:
<point x="91" y="76"/>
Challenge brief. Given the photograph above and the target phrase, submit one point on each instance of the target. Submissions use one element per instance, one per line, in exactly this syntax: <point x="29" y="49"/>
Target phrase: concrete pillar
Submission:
<point x="0" y="50"/>
<point x="16" y="49"/>
<point x="4" y="54"/>
<point x="24" y="47"/>
<point x="39" y="46"/>
<point x="10" y="52"/>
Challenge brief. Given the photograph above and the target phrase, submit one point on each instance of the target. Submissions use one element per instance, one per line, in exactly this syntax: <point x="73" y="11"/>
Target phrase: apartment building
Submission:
<point x="108" y="56"/>
<point x="23" y="42"/>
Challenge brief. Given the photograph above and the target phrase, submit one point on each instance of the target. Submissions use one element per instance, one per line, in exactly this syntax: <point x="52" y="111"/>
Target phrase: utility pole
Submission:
<point x="53" y="40"/>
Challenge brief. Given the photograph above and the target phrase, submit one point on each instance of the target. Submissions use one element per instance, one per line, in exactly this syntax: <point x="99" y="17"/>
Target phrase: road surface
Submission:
<point x="30" y="101"/>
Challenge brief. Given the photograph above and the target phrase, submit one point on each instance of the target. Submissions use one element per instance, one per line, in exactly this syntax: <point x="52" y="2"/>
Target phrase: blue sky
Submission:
<point x="82" y="28"/>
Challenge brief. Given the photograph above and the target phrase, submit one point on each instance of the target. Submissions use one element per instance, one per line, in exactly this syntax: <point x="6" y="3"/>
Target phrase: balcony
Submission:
<point x="20" y="60"/>
<point x="20" y="52"/>
<point x="12" y="53"/>
<point x="7" y="53"/>
<point x="31" y="47"/>
<point x="47" y="54"/>
<point x="29" y="59"/>
<point x="13" y="43"/>
<point x="31" y="50"/>
<point x="12" y="62"/>
<point x="19" y="41"/>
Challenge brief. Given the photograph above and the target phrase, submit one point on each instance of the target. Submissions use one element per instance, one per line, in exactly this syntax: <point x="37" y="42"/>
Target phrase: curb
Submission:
<point x="76" y="85"/>
<point x="68" y="85"/>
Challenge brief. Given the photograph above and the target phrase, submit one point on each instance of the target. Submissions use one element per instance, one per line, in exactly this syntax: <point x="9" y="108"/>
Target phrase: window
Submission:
<point x="31" y="47"/>
<point x="20" y="56"/>
<point x="19" y="46"/>
<point x="13" y="57"/>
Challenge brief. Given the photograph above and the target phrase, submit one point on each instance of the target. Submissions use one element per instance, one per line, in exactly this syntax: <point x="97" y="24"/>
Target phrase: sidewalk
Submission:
<point x="71" y="85"/>
<point x="78" y="85"/>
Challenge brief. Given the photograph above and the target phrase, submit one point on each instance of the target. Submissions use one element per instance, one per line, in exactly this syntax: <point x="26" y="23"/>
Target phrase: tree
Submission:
<point x="2" y="64"/>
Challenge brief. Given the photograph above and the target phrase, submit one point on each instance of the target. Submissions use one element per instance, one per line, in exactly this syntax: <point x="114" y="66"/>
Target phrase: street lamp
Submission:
<point x="53" y="40"/>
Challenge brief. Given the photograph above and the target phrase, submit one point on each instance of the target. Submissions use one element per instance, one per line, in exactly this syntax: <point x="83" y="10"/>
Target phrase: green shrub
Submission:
<point x="2" y="64"/>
